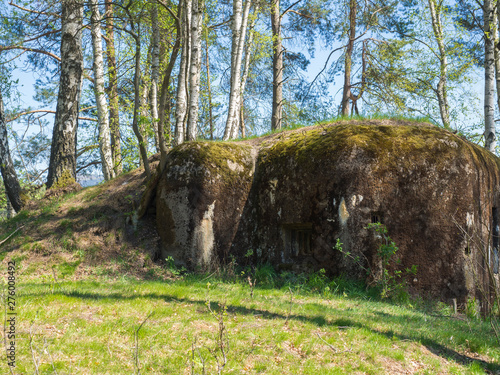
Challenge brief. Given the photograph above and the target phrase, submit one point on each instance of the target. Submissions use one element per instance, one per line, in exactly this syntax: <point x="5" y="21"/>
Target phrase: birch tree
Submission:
<point x="184" y="68"/>
<point x="239" y="28"/>
<point x="63" y="149"/>
<point x="155" y="71"/>
<point x="100" y="97"/>
<point x="10" y="180"/>
<point x="195" y="70"/>
<point x="489" y="76"/>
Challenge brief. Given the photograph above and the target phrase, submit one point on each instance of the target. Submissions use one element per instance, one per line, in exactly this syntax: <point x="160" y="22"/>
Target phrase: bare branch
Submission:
<point x="7" y="48"/>
<point x="35" y="11"/>
<point x="45" y="111"/>
<point x="289" y="8"/>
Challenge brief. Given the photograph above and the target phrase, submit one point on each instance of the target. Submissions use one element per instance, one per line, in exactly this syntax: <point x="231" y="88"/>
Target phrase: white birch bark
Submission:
<point x="100" y="97"/>
<point x="489" y="78"/>
<point x="442" y="89"/>
<point x="239" y="27"/>
<point x="155" y="71"/>
<point x="496" y="27"/>
<point x="246" y="69"/>
<point x="194" y="72"/>
<point x="182" y="89"/>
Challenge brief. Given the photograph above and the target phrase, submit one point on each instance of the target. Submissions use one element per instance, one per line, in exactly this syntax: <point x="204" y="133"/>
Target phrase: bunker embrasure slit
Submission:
<point x="297" y="239"/>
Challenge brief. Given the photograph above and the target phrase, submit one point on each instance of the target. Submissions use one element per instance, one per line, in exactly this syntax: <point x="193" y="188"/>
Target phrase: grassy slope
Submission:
<point x="88" y="327"/>
<point x="86" y="282"/>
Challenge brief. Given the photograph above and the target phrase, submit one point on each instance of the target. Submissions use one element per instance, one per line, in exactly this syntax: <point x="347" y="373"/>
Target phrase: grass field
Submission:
<point x="189" y="325"/>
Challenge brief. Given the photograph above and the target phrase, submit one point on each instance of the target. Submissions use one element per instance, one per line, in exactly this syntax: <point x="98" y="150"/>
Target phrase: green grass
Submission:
<point x="291" y="325"/>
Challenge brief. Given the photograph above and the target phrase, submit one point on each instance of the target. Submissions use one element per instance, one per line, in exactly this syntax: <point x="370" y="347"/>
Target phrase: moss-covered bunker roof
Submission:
<point x="389" y="141"/>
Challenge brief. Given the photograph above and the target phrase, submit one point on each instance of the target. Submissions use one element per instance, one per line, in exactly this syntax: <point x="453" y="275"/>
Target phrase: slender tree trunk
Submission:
<point x="135" y="33"/>
<point x="144" y="112"/>
<point x="346" y="95"/>
<point x="246" y="69"/>
<point x="100" y="98"/>
<point x="209" y="86"/>
<point x="195" y="70"/>
<point x="239" y="28"/>
<point x="114" y="114"/>
<point x="63" y="150"/>
<point x="155" y="71"/>
<point x="166" y="95"/>
<point x="182" y="89"/>
<point x="489" y="78"/>
<point x="236" y="23"/>
<point x="497" y="52"/>
<point x="442" y="89"/>
<point x="277" y="114"/>
<point x="10" y="181"/>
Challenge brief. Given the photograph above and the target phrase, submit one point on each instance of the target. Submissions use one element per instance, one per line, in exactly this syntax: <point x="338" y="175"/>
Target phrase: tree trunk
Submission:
<point x="182" y="89"/>
<point x="235" y="79"/>
<point x="62" y="163"/>
<point x="195" y="69"/>
<point x="100" y="98"/>
<point x="135" y="33"/>
<point x="11" y="212"/>
<point x="155" y="72"/>
<point x="114" y="114"/>
<point x="246" y="69"/>
<point x="442" y="89"/>
<point x="239" y="27"/>
<point x="497" y="52"/>
<point x="346" y="95"/>
<point x="10" y="181"/>
<point x="166" y="95"/>
<point x="489" y="78"/>
<point x="209" y="87"/>
<point x="144" y="112"/>
<point x="277" y="115"/>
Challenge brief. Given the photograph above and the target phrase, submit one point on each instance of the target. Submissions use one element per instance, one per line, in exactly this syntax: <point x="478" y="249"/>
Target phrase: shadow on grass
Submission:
<point x="318" y="320"/>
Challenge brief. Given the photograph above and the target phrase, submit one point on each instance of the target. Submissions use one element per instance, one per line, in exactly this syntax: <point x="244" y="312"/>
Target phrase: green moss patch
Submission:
<point x="228" y="161"/>
<point x="388" y="143"/>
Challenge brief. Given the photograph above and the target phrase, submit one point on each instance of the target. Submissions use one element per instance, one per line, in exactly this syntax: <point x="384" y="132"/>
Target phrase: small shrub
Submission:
<point x="390" y="282"/>
<point x="472" y="308"/>
<point x="172" y="268"/>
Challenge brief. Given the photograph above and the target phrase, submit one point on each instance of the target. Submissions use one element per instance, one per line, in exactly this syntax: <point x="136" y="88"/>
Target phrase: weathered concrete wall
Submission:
<point x="200" y="198"/>
<point x="314" y="185"/>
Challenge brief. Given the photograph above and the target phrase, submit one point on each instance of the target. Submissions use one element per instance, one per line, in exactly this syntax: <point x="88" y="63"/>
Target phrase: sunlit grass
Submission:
<point x="89" y="326"/>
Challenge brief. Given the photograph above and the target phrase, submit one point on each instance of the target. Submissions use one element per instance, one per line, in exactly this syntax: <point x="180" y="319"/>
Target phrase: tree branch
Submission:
<point x="44" y="111"/>
<point x="95" y="162"/>
<point x="7" y="48"/>
<point x="35" y="11"/>
<point x="290" y="7"/>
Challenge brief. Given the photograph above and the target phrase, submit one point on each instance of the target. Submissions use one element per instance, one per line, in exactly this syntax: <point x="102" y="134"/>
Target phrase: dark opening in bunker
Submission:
<point x="495" y="238"/>
<point x="377" y="218"/>
<point x="297" y="238"/>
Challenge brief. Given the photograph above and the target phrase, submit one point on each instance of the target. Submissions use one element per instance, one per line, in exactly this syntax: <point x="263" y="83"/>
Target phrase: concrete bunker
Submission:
<point x="288" y="197"/>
